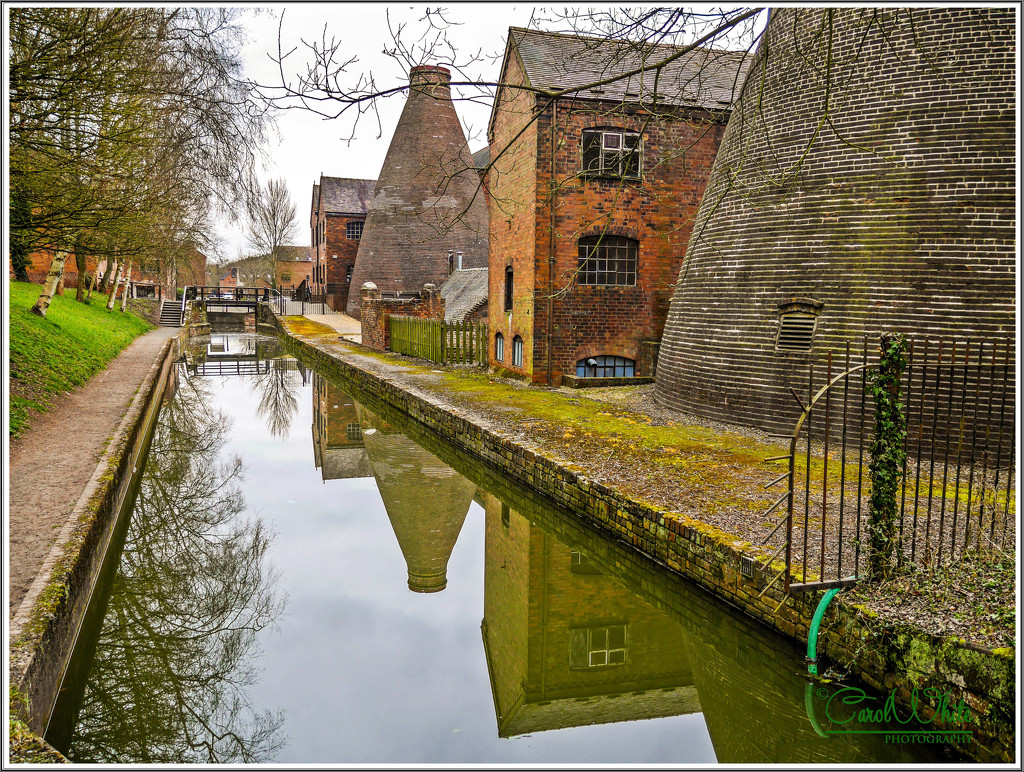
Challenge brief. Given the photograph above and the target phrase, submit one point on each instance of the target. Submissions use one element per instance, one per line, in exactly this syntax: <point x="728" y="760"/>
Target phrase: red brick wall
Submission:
<point x="513" y="223"/>
<point x="296" y="271"/>
<point x="679" y="148"/>
<point x="376" y="332"/>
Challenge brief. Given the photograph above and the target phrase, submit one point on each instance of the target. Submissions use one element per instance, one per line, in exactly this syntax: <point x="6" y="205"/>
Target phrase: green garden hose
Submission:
<point x="812" y="636"/>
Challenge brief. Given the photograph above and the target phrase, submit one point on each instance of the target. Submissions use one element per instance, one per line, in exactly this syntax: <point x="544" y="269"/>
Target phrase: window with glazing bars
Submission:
<point x="354" y="230"/>
<point x="605" y="366"/>
<point x="597" y="646"/>
<point x="607" y="261"/>
<point x="611" y="153"/>
<point x="499" y="347"/>
<point x="517" y="351"/>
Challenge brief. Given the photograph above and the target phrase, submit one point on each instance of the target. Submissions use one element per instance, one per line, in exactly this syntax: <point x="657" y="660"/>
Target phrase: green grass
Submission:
<point x="53" y="355"/>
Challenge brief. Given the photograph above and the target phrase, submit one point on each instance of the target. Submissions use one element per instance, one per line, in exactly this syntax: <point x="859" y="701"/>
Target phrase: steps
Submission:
<point x="170" y="313"/>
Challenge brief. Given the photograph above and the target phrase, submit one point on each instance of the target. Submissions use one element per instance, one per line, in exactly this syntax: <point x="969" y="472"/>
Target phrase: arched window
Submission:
<point x="607" y="260"/>
<point x="517" y="351"/>
<point x="605" y="366"/>
<point x="499" y="347"/>
<point x="508" y="288"/>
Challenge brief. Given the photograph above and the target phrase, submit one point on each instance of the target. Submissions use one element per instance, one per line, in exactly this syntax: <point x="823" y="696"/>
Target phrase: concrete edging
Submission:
<point x="45" y="627"/>
<point x="886" y="656"/>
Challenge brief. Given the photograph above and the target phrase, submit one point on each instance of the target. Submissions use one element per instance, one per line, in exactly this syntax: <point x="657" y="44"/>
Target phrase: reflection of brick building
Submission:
<point x="337" y="438"/>
<point x="336" y="226"/>
<point x="568" y="646"/>
<point x="426" y="500"/>
<point x="628" y="171"/>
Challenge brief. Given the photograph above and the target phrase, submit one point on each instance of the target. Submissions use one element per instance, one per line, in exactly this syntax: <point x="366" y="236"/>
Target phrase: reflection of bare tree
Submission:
<point x="179" y="643"/>
<point x="278" y="388"/>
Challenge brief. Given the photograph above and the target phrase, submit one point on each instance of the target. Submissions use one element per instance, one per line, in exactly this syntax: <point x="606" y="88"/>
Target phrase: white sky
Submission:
<point x="309" y="145"/>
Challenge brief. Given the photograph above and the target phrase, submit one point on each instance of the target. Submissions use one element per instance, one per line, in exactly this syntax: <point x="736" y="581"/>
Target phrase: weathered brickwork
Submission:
<point x="537" y="186"/>
<point x="376" y="331"/>
<point x="335" y="242"/>
<point x="895" y="213"/>
<point x="900" y="657"/>
<point x="428" y="200"/>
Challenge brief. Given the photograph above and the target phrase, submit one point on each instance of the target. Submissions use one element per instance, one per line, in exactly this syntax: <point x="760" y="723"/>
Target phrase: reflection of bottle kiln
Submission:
<point x="426" y="500"/>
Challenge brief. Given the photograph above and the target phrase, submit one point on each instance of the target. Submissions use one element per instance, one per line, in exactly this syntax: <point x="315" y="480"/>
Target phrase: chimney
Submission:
<point x="427" y="202"/>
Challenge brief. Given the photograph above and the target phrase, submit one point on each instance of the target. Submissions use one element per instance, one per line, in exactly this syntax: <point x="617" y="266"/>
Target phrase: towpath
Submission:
<point x="52" y="462"/>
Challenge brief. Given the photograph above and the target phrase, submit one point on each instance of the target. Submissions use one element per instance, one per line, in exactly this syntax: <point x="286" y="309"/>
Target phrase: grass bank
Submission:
<point x="61" y="352"/>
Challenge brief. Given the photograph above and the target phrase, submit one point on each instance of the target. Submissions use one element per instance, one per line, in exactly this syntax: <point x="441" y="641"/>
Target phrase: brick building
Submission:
<point x="336" y="219"/>
<point x="897" y="214"/>
<point x="294" y="264"/>
<point x="428" y="209"/>
<point x="615" y="174"/>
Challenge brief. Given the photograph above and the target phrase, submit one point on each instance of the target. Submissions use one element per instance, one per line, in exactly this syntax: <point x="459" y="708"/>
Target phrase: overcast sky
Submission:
<point x="309" y="145"/>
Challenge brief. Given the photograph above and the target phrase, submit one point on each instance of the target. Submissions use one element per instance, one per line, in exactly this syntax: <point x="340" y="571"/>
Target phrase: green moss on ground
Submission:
<point x="61" y="352"/>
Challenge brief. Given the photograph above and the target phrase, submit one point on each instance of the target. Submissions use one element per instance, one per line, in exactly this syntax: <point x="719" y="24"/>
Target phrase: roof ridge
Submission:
<point x="621" y="41"/>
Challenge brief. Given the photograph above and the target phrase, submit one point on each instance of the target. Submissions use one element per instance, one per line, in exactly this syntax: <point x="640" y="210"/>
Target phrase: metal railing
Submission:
<point x="958" y="487"/>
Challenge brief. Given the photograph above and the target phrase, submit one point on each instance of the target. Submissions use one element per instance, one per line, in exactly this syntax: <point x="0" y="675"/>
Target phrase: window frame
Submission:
<point x="617" y="362"/>
<point x="588" y="260"/>
<point x="509" y="286"/>
<point x="499" y="347"/>
<point x="350" y="227"/>
<point x="517" y="351"/>
<point x="621" y="162"/>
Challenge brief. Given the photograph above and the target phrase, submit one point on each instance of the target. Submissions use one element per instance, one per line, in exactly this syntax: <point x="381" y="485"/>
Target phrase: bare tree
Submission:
<point x="272" y="223"/>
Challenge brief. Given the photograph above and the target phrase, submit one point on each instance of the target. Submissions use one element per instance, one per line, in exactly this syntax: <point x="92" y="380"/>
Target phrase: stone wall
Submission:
<point x="895" y="214"/>
<point x="877" y="653"/>
<point x="376" y="330"/>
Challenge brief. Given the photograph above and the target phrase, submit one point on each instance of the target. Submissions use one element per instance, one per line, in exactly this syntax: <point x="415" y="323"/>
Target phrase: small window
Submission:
<point x="597" y="646"/>
<point x="517" y="351"/>
<point x="348" y="273"/>
<point x="499" y="347"/>
<point x="605" y="366"/>
<point x="607" y="261"/>
<point x="796" y="331"/>
<point x="353" y="432"/>
<point x="508" y="288"/>
<point x="611" y="153"/>
<point x="354" y="230"/>
<point x="579" y="563"/>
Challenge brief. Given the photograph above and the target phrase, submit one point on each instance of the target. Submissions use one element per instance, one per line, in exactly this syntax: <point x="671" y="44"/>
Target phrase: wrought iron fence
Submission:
<point x="439" y="341"/>
<point x="959" y="484"/>
<point x="284" y="305"/>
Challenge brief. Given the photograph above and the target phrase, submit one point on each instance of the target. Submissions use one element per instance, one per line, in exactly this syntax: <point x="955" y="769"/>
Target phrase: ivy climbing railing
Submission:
<point x="901" y="455"/>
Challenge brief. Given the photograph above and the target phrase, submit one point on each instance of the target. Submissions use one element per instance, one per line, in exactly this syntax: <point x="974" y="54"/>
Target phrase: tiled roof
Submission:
<point x="705" y="77"/>
<point x="463" y="293"/>
<point x="482" y="157"/>
<point x="344" y="194"/>
<point x="316" y="199"/>
<point x="288" y="253"/>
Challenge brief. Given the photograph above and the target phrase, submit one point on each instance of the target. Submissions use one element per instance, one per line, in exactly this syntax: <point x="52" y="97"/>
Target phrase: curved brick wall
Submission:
<point x="900" y="216"/>
<point x="428" y="198"/>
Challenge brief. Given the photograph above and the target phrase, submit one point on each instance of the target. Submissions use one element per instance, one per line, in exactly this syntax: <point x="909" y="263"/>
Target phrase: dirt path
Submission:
<point x="52" y="462"/>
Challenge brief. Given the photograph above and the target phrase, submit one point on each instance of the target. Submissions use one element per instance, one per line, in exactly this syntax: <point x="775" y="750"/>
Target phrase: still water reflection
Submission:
<point x="376" y="596"/>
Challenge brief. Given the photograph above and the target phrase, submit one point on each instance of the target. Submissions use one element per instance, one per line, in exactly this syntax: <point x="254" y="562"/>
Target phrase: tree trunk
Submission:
<point x="83" y="269"/>
<point x="92" y="284"/>
<point x="127" y="285"/>
<point x="113" y="290"/>
<point x="52" y="282"/>
<point x="111" y="271"/>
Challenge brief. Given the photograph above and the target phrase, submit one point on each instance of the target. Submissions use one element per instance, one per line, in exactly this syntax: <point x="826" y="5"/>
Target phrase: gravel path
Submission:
<point x="51" y="463"/>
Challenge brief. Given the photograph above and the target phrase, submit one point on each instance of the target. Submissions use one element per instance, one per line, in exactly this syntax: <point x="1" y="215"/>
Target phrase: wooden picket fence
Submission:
<point x="440" y="341"/>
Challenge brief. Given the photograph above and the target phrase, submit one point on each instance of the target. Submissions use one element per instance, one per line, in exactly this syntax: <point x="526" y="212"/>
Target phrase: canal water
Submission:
<point x="307" y="578"/>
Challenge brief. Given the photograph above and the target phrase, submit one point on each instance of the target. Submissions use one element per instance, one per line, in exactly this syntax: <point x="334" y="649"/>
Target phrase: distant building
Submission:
<point x="336" y="219"/>
<point x="428" y="202"/>
<point x="593" y="199"/>
<point x="228" y="279"/>
<point x="294" y="264"/>
<point x="338" y="449"/>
